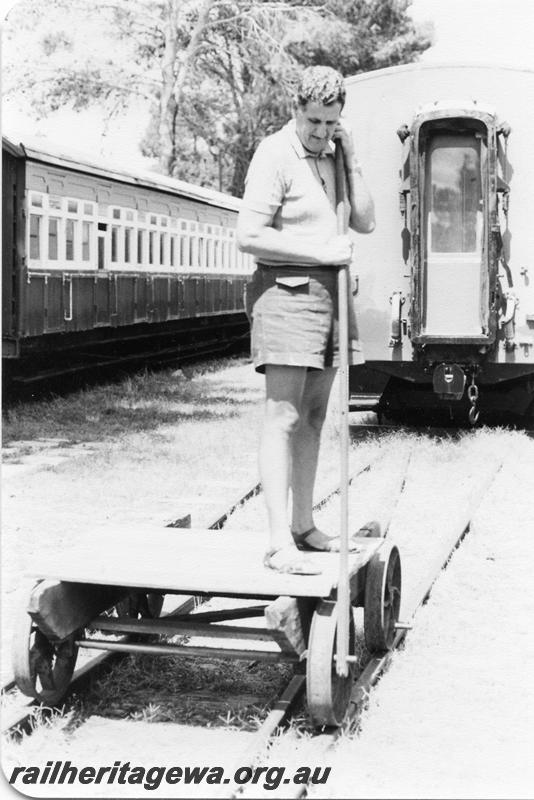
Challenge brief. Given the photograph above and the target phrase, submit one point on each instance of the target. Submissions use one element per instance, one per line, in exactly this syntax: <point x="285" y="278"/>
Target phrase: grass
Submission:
<point x="137" y="404"/>
<point x="206" y="692"/>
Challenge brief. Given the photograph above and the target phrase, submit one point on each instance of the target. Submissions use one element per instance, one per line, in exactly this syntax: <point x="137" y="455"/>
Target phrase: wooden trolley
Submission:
<point x="130" y="570"/>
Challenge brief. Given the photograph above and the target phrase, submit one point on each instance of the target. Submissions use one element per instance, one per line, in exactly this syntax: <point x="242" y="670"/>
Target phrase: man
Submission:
<point x="288" y="222"/>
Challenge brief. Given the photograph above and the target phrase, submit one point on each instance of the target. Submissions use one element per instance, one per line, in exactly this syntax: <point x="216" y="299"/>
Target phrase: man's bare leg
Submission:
<point x="284" y="390"/>
<point x="305" y="450"/>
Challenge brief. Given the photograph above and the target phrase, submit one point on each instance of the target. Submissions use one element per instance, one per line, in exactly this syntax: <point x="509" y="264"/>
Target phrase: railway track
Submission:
<point x="24" y="381"/>
<point x="281" y="709"/>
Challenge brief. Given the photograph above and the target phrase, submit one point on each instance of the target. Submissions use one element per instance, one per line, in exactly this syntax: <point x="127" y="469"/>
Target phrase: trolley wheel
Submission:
<point x="382" y="598"/>
<point x="42" y="668"/>
<point x="328" y="693"/>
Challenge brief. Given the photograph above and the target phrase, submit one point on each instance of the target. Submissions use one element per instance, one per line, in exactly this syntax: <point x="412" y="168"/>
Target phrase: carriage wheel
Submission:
<point x="42" y="669"/>
<point x="327" y="692"/>
<point x="382" y="598"/>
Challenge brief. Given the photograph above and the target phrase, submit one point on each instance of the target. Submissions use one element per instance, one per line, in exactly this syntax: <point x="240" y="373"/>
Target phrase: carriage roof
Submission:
<point x="37" y="149"/>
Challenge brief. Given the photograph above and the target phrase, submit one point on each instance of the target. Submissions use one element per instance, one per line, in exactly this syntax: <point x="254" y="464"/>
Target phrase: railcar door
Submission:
<point x="453" y="168"/>
<point x="454" y="234"/>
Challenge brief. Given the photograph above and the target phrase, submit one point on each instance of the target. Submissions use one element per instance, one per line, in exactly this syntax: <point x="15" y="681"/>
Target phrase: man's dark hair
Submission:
<point x="321" y="85"/>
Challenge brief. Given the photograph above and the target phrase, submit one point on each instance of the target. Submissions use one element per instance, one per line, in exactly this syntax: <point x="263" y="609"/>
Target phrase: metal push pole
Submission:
<point x="343" y="592"/>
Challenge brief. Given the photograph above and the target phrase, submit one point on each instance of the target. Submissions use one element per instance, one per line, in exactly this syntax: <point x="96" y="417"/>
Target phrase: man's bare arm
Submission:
<point x="256" y="235"/>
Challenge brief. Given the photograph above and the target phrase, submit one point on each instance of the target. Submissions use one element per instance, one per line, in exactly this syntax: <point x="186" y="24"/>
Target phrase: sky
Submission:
<point x="486" y="31"/>
<point x="483" y="31"/>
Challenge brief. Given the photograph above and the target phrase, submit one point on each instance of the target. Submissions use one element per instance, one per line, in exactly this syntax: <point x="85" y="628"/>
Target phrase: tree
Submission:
<point x="218" y="74"/>
<point x="362" y="35"/>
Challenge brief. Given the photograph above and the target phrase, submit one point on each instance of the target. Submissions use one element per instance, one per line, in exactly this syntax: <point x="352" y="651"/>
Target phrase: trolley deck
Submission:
<point x="193" y="561"/>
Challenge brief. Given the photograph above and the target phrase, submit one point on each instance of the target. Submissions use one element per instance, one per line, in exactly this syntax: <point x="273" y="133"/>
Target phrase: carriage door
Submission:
<point x="452" y="262"/>
<point x="454" y="233"/>
<point x="102" y="234"/>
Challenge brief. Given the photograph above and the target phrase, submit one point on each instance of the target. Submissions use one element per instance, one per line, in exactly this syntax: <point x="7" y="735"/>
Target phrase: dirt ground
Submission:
<point x="454" y="715"/>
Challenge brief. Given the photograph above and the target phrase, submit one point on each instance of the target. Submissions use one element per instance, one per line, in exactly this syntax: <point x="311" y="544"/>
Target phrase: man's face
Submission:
<point x="316" y="124"/>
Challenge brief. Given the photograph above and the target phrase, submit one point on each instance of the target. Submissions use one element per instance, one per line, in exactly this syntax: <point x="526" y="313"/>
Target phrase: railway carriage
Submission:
<point x="95" y="259"/>
<point x="445" y="283"/>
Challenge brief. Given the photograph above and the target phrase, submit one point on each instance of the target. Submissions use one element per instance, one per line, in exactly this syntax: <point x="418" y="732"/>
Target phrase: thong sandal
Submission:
<point x="329" y="544"/>
<point x="293" y="565"/>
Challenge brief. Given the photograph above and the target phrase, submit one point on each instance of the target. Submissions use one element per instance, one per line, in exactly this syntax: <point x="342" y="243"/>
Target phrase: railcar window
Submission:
<point x="55" y="203"/>
<point x="173" y="251"/>
<point x="201" y="252"/>
<point x="162" y="249"/>
<point x="88" y="209"/>
<point x="127" y="244"/>
<point x="130" y="216"/>
<point x="140" y="246"/>
<point x="454" y="191"/>
<point x="210" y="253"/>
<point x="53" y="237"/>
<point x="69" y="240"/>
<point x="151" y="246"/>
<point x="35" y="236"/>
<point x="37" y="200"/>
<point x="114" y="243"/>
<point x="72" y="206"/>
<point x="87" y="229"/>
<point x="116" y="213"/>
<point x="184" y="251"/>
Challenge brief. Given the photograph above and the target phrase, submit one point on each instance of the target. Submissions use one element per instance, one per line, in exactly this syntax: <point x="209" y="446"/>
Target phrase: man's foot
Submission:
<point x="288" y="560"/>
<point x="314" y="540"/>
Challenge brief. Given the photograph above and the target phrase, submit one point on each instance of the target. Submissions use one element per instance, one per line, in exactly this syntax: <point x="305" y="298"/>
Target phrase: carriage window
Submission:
<point x="162" y="242"/>
<point x="53" y="235"/>
<point x="86" y="241"/>
<point x="184" y="251"/>
<point x="72" y="206"/>
<point x="454" y="190"/>
<point x="127" y="244"/>
<point x="201" y="257"/>
<point x="140" y="245"/>
<point x="35" y="236"/>
<point x="88" y="209"/>
<point x="114" y="243"/>
<point x="116" y="213"/>
<point x="173" y="251"/>
<point x="129" y="216"/>
<point x="55" y="202"/>
<point x="37" y="200"/>
<point x="69" y="237"/>
<point x="151" y="245"/>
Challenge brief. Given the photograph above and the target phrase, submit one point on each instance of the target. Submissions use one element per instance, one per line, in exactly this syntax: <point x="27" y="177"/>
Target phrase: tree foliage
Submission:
<point x="217" y="74"/>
